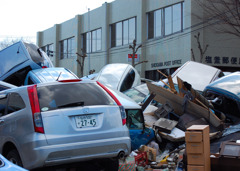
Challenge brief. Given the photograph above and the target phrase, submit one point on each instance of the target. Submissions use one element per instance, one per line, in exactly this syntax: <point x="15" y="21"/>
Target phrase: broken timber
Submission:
<point x="164" y="96"/>
<point x="198" y="98"/>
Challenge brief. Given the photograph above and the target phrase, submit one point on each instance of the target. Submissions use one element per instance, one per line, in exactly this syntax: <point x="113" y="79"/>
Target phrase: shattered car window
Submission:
<point x="134" y="119"/>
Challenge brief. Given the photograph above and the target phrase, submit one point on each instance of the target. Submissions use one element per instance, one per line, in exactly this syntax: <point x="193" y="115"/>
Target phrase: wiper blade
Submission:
<point x="72" y="104"/>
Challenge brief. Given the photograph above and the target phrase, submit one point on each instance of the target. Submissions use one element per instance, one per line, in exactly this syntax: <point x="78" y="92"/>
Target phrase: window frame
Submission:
<point x="7" y="103"/>
<point x="87" y="43"/>
<point x="113" y="33"/>
<point x="66" y="48"/>
<point x="48" y="49"/>
<point x="151" y="17"/>
<point x="9" y="100"/>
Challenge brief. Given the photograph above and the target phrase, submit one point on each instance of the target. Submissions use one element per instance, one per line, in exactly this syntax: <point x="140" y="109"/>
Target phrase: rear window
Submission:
<point x="128" y="81"/>
<point x="72" y="95"/>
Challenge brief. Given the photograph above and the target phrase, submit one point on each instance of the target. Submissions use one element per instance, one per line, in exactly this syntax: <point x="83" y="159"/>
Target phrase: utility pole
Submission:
<point x="134" y="51"/>
<point x="89" y="41"/>
<point x="80" y="61"/>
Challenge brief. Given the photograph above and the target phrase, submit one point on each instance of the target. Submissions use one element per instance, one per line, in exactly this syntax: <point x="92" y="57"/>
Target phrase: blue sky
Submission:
<point x="24" y="18"/>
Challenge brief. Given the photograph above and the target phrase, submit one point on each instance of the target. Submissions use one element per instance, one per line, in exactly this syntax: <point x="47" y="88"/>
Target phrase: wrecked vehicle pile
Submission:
<point x="182" y="124"/>
<point x="182" y="109"/>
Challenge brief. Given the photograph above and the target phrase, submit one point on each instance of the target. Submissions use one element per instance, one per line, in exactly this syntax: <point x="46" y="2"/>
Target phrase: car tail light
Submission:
<point x="123" y="113"/>
<point x="36" y="113"/>
<point x="44" y="66"/>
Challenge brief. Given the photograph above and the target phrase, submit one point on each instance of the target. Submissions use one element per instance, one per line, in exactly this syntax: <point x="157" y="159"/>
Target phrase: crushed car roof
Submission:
<point x="229" y="83"/>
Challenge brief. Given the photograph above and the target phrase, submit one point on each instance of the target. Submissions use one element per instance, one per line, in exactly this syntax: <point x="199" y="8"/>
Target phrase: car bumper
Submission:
<point x="50" y="155"/>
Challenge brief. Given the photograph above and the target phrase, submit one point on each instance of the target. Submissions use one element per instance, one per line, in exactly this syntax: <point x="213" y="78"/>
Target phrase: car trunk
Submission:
<point x="78" y="112"/>
<point x="81" y="124"/>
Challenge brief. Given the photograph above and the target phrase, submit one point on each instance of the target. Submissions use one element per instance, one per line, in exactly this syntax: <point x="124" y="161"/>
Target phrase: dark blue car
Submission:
<point x="224" y="94"/>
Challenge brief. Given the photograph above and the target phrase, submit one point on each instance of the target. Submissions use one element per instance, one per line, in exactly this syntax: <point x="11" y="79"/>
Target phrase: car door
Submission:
<point x="139" y="134"/>
<point x="3" y="126"/>
<point x="11" y="122"/>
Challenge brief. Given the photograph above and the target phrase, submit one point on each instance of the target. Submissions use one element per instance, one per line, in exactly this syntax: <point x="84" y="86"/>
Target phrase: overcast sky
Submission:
<point x="24" y="18"/>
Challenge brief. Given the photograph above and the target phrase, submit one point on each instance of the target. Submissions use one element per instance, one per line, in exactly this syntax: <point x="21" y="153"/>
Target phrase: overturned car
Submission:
<point x="20" y="58"/>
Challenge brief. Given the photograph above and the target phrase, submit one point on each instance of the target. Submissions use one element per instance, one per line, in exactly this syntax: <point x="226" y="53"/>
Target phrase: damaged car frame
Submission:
<point x="18" y="59"/>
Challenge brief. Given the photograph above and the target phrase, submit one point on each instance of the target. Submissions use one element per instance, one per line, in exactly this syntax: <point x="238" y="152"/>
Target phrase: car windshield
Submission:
<point x="134" y="94"/>
<point x="71" y="95"/>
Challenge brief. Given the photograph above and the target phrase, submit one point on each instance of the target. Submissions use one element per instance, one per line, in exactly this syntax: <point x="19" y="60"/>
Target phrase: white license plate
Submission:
<point x="86" y="121"/>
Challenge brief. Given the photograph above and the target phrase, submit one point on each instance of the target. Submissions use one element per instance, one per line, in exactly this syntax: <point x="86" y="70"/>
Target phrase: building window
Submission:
<point x="177" y="17"/>
<point x="92" y="41"/>
<point x="123" y="32"/>
<point x="155" y="24"/>
<point x="158" y="25"/>
<point x="151" y="25"/>
<point x="48" y="49"/>
<point x="168" y="20"/>
<point x="67" y="48"/>
<point x="165" y="21"/>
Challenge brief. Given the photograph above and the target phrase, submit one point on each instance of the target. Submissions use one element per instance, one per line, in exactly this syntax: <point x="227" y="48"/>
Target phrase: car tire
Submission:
<point x="14" y="157"/>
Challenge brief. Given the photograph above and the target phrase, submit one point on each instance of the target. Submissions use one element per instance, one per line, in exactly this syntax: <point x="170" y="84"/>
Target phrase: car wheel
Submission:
<point x="14" y="157"/>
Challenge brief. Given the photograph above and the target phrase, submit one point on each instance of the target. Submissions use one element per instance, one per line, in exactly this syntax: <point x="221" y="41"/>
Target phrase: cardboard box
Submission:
<point x="151" y="152"/>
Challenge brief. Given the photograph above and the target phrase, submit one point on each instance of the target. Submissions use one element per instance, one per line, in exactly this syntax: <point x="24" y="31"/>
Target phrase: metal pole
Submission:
<point x="89" y="42"/>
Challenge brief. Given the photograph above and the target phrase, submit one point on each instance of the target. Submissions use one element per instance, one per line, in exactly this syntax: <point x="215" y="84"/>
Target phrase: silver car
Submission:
<point x="62" y="122"/>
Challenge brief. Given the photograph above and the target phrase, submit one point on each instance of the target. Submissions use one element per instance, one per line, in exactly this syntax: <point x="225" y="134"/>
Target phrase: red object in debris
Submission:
<point x="141" y="159"/>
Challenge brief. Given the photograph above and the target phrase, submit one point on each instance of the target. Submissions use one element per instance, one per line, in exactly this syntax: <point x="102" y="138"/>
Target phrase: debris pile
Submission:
<point x="181" y="108"/>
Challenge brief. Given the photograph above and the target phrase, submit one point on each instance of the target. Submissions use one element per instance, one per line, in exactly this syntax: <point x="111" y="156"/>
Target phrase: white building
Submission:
<point x="165" y="28"/>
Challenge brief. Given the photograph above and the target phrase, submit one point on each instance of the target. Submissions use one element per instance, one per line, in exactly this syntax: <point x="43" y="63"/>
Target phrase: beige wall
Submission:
<point x="162" y="53"/>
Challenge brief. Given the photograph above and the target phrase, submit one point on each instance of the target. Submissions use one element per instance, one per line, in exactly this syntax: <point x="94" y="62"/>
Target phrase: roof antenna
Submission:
<point x="59" y="76"/>
<point x="18" y="49"/>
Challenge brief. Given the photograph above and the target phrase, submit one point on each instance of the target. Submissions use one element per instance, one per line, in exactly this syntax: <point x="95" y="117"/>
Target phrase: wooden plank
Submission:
<point x="162" y="73"/>
<point x="163" y="96"/>
<point x="181" y="87"/>
<point x="170" y="82"/>
<point x="198" y="98"/>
